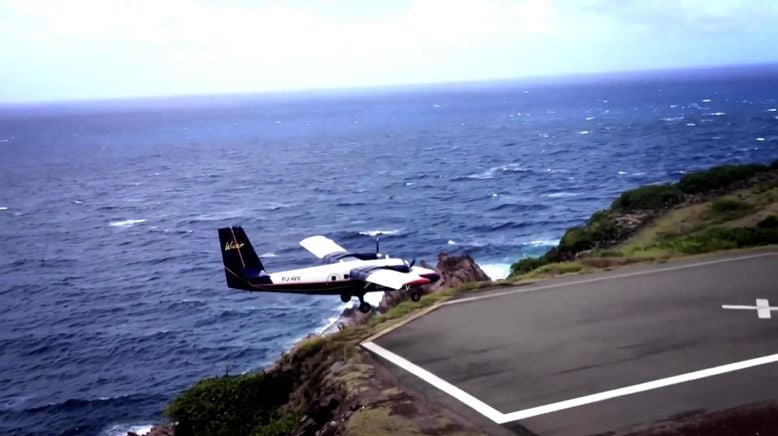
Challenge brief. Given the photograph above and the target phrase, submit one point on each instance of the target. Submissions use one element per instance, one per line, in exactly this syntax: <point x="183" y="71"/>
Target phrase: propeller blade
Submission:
<point x="413" y="262"/>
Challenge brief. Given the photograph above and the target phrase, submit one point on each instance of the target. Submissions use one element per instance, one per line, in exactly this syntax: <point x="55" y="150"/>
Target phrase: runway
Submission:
<point x="611" y="352"/>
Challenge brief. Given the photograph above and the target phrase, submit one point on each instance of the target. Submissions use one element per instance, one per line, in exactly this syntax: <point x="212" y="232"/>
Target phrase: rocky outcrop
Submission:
<point x="454" y="271"/>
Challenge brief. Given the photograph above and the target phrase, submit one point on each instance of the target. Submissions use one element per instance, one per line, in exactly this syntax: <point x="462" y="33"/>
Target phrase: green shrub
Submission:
<point x="729" y="205"/>
<point x="527" y="264"/>
<point x="280" y="425"/>
<point x="601" y="228"/>
<point x="576" y="239"/>
<point x="611" y="253"/>
<point x="771" y="222"/>
<point x="229" y="405"/>
<point x="648" y="197"/>
<point x="718" y="177"/>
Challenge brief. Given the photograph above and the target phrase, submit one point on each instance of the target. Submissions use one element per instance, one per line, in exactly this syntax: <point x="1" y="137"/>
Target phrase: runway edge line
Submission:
<point x="465" y="398"/>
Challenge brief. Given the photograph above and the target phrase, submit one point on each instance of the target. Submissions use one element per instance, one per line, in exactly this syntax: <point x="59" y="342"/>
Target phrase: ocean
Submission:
<point x="112" y="293"/>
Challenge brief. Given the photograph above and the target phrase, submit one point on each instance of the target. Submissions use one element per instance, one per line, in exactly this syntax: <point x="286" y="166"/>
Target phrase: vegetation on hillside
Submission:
<point x="635" y="208"/>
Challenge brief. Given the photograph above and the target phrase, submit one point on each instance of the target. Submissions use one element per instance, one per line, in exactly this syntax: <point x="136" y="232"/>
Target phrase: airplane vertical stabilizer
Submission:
<point x="238" y="256"/>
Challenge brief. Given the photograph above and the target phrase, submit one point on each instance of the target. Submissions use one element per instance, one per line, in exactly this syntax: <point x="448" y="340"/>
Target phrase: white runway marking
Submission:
<point x="498" y="417"/>
<point x="642" y="387"/>
<point x="503" y="418"/>
<point x="762" y="308"/>
<point x="476" y="404"/>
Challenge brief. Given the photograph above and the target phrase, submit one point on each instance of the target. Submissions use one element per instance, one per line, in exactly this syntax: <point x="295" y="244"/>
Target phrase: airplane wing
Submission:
<point x="387" y="277"/>
<point x="321" y="246"/>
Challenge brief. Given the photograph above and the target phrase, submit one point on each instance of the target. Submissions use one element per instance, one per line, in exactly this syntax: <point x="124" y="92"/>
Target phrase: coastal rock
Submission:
<point x="454" y="271"/>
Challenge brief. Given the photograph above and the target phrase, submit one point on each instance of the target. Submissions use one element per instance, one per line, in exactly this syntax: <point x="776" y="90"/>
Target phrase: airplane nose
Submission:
<point x="432" y="277"/>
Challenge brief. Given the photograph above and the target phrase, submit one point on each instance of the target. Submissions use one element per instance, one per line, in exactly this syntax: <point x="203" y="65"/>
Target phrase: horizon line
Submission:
<point x="532" y="80"/>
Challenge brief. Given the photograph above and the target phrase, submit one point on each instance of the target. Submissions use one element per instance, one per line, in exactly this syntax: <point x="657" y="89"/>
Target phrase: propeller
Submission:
<point x="413" y="262"/>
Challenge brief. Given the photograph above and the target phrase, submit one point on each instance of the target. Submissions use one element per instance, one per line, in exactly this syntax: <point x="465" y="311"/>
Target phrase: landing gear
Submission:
<point x="364" y="306"/>
<point x="345" y="298"/>
<point x="414" y="292"/>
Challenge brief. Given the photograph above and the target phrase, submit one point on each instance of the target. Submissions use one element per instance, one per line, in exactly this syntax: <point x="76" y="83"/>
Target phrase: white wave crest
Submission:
<point x="772" y="109"/>
<point x="706" y="100"/>
<point x="489" y="174"/>
<point x="583" y="132"/>
<point x="126" y="223"/>
<point x="451" y="242"/>
<point x="561" y="194"/>
<point x="2" y="208"/>
<point x="589" y="118"/>
<point x="760" y="139"/>
<point x="690" y="124"/>
<point x="123" y="429"/>
<point x="672" y="119"/>
<point x="716" y="114"/>
<point x="329" y="324"/>
<point x="268" y="254"/>
<point x="374" y="298"/>
<point x="496" y="271"/>
<point x="543" y="242"/>
<point x="374" y="233"/>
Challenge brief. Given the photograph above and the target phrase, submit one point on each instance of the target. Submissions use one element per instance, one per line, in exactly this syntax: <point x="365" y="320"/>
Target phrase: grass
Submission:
<point x="380" y="422"/>
<point x="719" y="224"/>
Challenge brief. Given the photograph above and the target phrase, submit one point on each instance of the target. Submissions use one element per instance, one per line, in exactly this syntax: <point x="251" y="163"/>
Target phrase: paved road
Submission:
<point x="593" y="334"/>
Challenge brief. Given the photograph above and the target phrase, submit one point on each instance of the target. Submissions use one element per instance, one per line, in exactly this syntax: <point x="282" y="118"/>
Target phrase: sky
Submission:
<point x="53" y="50"/>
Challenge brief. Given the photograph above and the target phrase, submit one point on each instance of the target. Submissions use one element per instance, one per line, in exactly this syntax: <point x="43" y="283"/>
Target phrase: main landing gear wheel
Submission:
<point x="415" y="295"/>
<point x="364" y="306"/>
<point x="345" y="298"/>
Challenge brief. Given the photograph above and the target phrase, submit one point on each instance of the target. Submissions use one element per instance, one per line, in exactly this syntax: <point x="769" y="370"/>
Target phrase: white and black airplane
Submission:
<point x="342" y="273"/>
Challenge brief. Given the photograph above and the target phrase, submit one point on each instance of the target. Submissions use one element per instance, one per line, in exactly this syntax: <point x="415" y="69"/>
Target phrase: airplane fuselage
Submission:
<point x="328" y="279"/>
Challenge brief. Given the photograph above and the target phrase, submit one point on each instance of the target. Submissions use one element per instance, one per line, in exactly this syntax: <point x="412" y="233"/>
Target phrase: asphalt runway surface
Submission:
<point x="612" y="352"/>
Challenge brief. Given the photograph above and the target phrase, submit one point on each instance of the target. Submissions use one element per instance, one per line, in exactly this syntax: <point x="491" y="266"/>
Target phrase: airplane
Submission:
<point x="342" y="272"/>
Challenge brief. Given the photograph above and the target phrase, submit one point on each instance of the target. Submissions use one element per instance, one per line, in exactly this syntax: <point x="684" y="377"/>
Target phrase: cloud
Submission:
<point x="100" y="48"/>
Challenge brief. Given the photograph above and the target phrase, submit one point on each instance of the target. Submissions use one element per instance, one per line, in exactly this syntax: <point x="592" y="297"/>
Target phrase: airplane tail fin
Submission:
<point x="238" y="256"/>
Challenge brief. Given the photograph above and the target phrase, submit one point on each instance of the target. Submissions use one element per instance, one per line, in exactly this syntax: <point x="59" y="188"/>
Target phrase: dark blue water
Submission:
<point x="112" y="297"/>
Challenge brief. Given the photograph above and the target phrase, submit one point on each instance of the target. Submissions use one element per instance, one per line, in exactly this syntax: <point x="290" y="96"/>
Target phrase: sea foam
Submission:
<point x="374" y="233"/>
<point x="126" y="223"/>
<point x="496" y="271"/>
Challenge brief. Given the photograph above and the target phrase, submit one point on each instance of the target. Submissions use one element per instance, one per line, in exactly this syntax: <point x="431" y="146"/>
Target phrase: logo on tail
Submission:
<point x="231" y="245"/>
